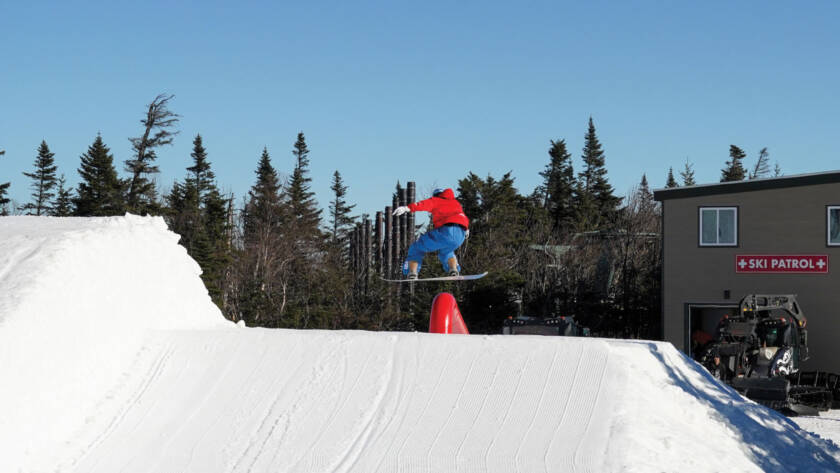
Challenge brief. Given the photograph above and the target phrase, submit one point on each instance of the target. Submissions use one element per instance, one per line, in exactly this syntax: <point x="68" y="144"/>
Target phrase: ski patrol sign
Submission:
<point x="781" y="263"/>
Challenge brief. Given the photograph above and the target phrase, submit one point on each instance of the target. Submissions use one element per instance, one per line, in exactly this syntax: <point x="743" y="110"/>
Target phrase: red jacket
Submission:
<point x="444" y="208"/>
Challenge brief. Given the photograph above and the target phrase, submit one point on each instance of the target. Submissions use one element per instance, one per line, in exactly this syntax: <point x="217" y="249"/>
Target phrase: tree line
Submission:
<point x="570" y="247"/>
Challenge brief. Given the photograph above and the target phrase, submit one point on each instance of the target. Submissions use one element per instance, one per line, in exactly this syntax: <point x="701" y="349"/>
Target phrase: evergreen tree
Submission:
<point x="43" y="181"/>
<point x="501" y="231"/>
<point x="199" y="213"/>
<point x="63" y="206"/>
<point x="157" y="123"/>
<point x="262" y="210"/>
<point x="340" y="219"/>
<point x="202" y="177"/>
<point x="265" y="257"/>
<point x="687" y="174"/>
<point x="595" y="201"/>
<point x="4" y="201"/>
<point x="671" y="182"/>
<point x="645" y="195"/>
<point x="186" y="201"/>
<point x="734" y="170"/>
<point x="762" y="165"/>
<point x="777" y="170"/>
<point x="301" y="201"/>
<point x="558" y="187"/>
<point x="100" y="192"/>
<point x="304" y="232"/>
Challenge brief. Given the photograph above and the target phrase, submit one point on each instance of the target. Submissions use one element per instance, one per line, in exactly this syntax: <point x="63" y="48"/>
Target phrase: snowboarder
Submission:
<point x="451" y="227"/>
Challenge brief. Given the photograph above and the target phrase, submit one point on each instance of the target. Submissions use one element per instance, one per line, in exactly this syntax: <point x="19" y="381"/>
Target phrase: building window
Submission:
<point x="719" y="226"/>
<point x="833" y="225"/>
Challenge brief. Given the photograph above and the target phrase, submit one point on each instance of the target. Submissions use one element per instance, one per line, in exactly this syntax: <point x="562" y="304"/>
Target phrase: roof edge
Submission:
<point x="828" y="177"/>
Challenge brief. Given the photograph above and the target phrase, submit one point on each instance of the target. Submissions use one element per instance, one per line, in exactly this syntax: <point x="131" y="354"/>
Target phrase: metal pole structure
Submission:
<point x="377" y="244"/>
<point x="396" y="249"/>
<point x="412" y="191"/>
<point x="348" y="250"/>
<point x="367" y="254"/>
<point x="353" y="259"/>
<point x="395" y="240"/>
<point x="403" y="224"/>
<point x="387" y="256"/>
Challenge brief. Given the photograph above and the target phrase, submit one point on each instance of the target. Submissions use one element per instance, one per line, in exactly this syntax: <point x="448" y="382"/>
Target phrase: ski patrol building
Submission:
<point x="723" y="241"/>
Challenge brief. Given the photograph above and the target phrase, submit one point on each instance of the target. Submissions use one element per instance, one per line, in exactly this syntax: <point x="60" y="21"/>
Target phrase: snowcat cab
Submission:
<point x="759" y="352"/>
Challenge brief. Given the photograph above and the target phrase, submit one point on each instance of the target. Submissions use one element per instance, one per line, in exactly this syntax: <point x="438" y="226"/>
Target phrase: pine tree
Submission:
<point x="558" y="187"/>
<point x="671" y="182"/>
<point x="43" y="181"/>
<point x="265" y="257"/>
<point x="198" y="212"/>
<point x="340" y="219"/>
<point x="645" y="195"/>
<point x="263" y="207"/>
<point x="4" y="201"/>
<point x="217" y="217"/>
<point x="202" y="177"/>
<point x="142" y="194"/>
<point x="63" y="206"/>
<point x="595" y="193"/>
<point x="687" y="174"/>
<point x="501" y="232"/>
<point x="301" y="201"/>
<point x="185" y="202"/>
<point x="100" y="192"/>
<point x="777" y="170"/>
<point x="734" y="170"/>
<point x="762" y="166"/>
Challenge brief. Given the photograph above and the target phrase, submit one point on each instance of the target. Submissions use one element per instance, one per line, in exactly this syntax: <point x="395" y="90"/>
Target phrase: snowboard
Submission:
<point x="464" y="277"/>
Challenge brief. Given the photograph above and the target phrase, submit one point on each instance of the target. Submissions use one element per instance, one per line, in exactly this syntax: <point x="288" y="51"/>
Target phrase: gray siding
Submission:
<point x="776" y="221"/>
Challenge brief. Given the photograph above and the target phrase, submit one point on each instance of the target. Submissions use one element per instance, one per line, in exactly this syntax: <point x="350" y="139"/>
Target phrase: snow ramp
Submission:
<point x="113" y="359"/>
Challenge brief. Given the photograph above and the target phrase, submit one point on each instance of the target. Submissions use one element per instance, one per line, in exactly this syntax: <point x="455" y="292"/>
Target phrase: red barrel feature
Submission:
<point x="445" y="316"/>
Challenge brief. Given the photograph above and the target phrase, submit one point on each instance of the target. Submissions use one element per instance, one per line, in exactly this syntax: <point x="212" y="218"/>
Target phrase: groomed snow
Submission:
<point x="113" y="359"/>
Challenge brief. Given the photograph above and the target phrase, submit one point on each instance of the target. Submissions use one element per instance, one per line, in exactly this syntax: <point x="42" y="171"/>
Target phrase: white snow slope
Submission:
<point x="113" y="359"/>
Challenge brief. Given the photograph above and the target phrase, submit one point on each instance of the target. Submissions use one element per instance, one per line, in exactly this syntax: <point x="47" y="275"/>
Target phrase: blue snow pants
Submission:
<point x="445" y="240"/>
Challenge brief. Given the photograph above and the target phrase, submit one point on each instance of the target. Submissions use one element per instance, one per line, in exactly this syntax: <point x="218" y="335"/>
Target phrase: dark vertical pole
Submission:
<point x="396" y="248"/>
<point x="409" y="233"/>
<point x="395" y="240"/>
<point x="387" y="256"/>
<point x="367" y="253"/>
<point x="403" y="225"/>
<point x="377" y="244"/>
<point x="411" y="196"/>
<point x="349" y="250"/>
<point x="354" y="260"/>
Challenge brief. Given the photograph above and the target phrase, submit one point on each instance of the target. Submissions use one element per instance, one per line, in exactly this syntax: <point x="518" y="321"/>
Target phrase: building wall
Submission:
<point x="775" y="221"/>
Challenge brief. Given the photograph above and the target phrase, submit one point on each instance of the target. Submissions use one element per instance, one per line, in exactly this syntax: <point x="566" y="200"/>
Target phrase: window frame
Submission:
<point x="828" y="209"/>
<point x="717" y="208"/>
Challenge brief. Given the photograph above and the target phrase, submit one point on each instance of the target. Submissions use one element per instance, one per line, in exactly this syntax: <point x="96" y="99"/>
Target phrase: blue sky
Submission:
<point x="424" y="91"/>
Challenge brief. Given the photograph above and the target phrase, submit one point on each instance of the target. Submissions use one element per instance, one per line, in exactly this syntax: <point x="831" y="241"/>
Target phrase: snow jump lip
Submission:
<point x="311" y="401"/>
<point x="107" y="378"/>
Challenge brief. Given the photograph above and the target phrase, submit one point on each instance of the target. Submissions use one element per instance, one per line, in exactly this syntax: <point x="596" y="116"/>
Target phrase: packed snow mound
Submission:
<point x="108" y="272"/>
<point x="113" y="358"/>
<point x="76" y="298"/>
<point x="257" y="400"/>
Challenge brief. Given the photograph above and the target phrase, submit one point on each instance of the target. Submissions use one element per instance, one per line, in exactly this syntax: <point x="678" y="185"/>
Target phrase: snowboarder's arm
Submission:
<point x="426" y="205"/>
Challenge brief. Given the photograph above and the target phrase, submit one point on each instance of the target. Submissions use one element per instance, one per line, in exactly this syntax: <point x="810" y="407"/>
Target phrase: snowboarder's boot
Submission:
<point x="453" y="267"/>
<point x="411" y="269"/>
